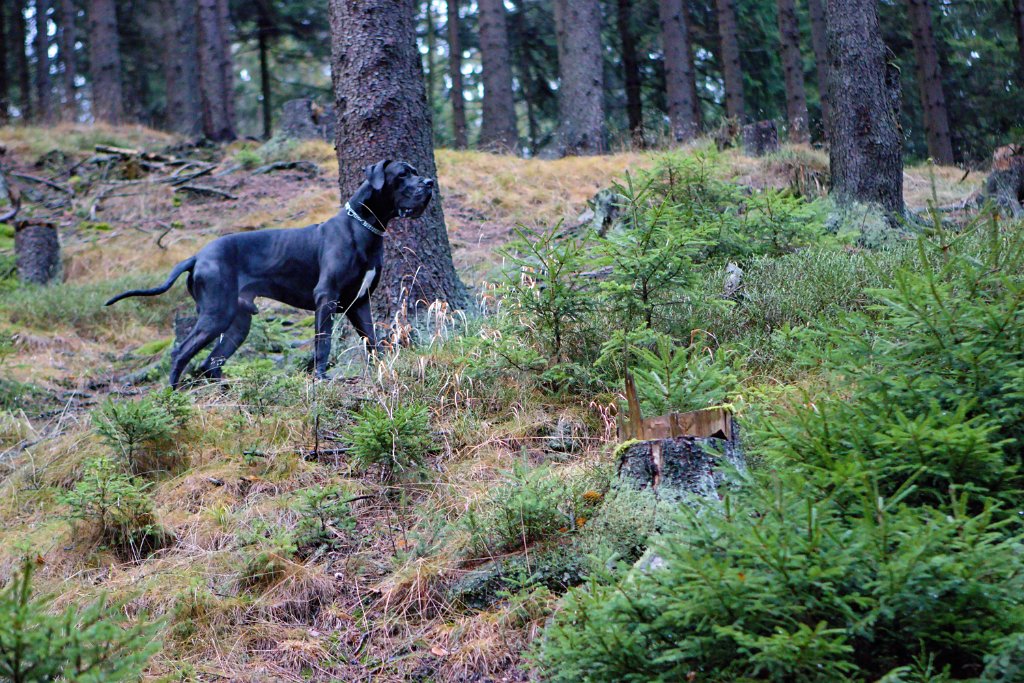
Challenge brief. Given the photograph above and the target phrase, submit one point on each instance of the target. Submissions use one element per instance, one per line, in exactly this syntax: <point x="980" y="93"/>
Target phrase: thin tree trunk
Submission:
<point x="4" y="80"/>
<point x="866" y="152"/>
<point x="382" y="114"/>
<point x="793" y="69"/>
<point x="820" y="43"/>
<point x="181" y="67"/>
<point x="732" y="70"/>
<point x="929" y="76"/>
<point x="105" y="62"/>
<point x="680" y="76"/>
<point x="631" y="71"/>
<point x="455" y="73"/>
<point x="227" y="64"/>
<point x="217" y="124"/>
<point x="498" y="131"/>
<point x="527" y="69"/>
<point x="263" y="36"/>
<point x="431" y="67"/>
<point x="581" y="71"/>
<point x="1018" y="24"/>
<point x="42" y="50"/>
<point x="68" y="33"/>
<point x="21" y="60"/>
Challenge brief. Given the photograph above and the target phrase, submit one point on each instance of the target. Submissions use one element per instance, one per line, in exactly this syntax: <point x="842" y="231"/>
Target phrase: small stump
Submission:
<point x="37" y="252"/>
<point x="760" y="138"/>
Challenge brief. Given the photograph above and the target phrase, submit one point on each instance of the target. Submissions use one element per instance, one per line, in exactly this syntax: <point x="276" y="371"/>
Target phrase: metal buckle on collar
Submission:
<point x="362" y="221"/>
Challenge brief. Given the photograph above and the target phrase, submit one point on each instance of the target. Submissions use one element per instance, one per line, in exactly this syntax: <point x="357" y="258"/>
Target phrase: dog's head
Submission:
<point x="409" y="191"/>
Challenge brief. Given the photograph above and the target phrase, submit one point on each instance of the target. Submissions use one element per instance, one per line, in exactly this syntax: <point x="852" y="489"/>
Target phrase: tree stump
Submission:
<point x="760" y="138"/>
<point x="37" y="252"/>
<point x="1005" y="185"/>
<point x="304" y="119"/>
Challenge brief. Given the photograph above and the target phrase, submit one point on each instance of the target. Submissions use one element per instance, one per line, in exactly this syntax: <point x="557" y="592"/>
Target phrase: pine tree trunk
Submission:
<point x="793" y="69"/>
<point x="929" y="76"/>
<point x="820" y="43"/>
<point x="680" y="77"/>
<point x="105" y="62"/>
<point x="227" y="65"/>
<point x="181" y="67"/>
<point x="4" y="79"/>
<point x="631" y="71"/>
<point x="214" y="89"/>
<point x="263" y="36"/>
<point x="455" y="72"/>
<point x="21" y="60"/>
<point x="431" y="68"/>
<point x="1018" y="23"/>
<point x="732" y="71"/>
<point x="520" y="41"/>
<point x="498" y="131"/>
<point x="68" y="35"/>
<point x="866" y="153"/>
<point x="42" y="50"/>
<point x="581" y="74"/>
<point x="382" y="114"/>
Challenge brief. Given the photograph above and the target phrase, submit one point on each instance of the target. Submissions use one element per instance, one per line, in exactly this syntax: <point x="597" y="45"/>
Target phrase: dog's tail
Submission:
<point x="185" y="266"/>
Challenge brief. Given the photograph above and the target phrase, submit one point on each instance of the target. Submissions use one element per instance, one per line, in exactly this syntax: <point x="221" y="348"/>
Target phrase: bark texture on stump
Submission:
<point x="793" y="68"/>
<point x="37" y="252"/>
<point x="680" y="76"/>
<point x="581" y="71"/>
<point x="498" y="129"/>
<point x="760" y="138"/>
<point x="105" y="62"/>
<point x="819" y="42"/>
<point x="382" y="114"/>
<point x="732" y="71"/>
<point x="929" y="77"/>
<point x="866" y="152"/>
<point x="455" y="72"/>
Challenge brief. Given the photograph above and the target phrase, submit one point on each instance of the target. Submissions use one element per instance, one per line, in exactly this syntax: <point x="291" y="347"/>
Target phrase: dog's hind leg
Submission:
<point x="207" y="329"/>
<point x="230" y="340"/>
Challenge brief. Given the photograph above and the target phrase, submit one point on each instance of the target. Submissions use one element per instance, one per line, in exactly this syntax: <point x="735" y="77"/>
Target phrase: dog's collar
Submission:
<point x="362" y="221"/>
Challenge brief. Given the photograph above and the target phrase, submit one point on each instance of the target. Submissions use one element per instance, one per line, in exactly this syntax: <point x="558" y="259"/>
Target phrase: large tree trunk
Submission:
<point x="105" y="62"/>
<point x="382" y="114"/>
<point x="732" y="71"/>
<point x="21" y="60"/>
<point x="793" y="68"/>
<point x="581" y="75"/>
<point x="455" y="72"/>
<point x="521" y="40"/>
<point x="214" y="66"/>
<point x="181" y="67"/>
<point x="498" y="131"/>
<point x="430" y="72"/>
<point x="4" y="80"/>
<point x="42" y="50"/>
<point x="264" y="28"/>
<point x="820" y="43"/>
<point x="68" y="35"/>
<point x="866" y="153"/>
<point x="680" y="76"/>
<point x="631" y="71"/>
<point x="929" y="77"/>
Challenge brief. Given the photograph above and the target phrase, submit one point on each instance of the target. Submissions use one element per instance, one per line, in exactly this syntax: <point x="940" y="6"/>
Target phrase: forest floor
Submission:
<point x="376" y="605"/>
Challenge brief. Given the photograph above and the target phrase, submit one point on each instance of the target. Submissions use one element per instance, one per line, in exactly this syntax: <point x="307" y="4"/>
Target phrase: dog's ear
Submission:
<point x="375" y="174"/>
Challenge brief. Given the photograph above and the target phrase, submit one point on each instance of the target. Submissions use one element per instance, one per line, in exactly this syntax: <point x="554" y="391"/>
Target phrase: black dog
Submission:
<point x="332" y="266"/>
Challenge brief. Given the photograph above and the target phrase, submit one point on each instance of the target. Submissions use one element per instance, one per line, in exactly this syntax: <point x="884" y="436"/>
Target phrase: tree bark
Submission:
<point x="820" y="43"/>
<point x="866" y="153"/>
<point x="213" y="67"/>
<point x="455" y="72"/>
<point x="181" y="67"/>
<point x="4" y="79"/>
<point x="732" y="70"/>
<point x="21" y="60"/>
<point x="581" y="75"/>
<point x="793" y="69"/>
<point x="1018" y="24"/>
<point x="105" y="62"/>
<point x="37" y="252"/>
<point x="498" y="131"/>
<point x="431" y="67"/>
<point x="382" y="114"/>
<point x="631" y="71"/>
<point x="680" y="76"/>
<point x="68" y="36"/>
<point x="929" y="76"/>
<point x="263" y="36"/>
<point x="227" y="64"/>
<point x="42" y="50"/>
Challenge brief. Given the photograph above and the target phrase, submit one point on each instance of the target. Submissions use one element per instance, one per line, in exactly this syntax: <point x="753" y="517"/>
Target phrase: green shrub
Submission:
<point x="394" y="437"/>
<point x="248" y="158"/>
<point x="323" y="513"/>
<point x="267" y="551"/>
<point x="143" y="431"/>
<point x="260" y="385"/>
<point x="95" y="643"/>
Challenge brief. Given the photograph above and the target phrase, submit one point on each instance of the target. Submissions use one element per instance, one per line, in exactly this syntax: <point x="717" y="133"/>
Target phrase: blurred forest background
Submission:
<point x="156" y="63"/>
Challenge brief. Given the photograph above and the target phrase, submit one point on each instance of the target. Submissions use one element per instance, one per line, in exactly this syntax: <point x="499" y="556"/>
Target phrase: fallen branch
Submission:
<point x="307" y="166"/>
<point x="205" y="190"/>
<point x="44" y="181"/>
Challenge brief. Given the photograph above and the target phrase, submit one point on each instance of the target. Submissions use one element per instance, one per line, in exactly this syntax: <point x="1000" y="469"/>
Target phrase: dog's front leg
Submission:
<point x="326" y="305"/>
<point x="362" y="319"/>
